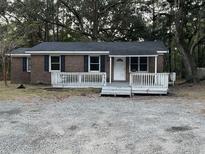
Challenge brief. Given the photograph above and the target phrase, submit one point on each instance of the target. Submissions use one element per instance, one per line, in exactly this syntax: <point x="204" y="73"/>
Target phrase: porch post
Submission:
<point x="110" y="70"/>
<point x="155" y="66"/>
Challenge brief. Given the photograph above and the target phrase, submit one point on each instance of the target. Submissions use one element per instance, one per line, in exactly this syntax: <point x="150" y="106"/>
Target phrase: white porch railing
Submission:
<point x="78" y="79"/>
<point x="152" y="80"/>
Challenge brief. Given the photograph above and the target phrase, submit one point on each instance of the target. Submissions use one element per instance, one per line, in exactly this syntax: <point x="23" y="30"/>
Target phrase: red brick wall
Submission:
<point x="17" y="74"/>
<point x="160" y="64"/>
<point x="38" y="75"/>
<point x="151" y="64"/>
<point x="74" y="63"/>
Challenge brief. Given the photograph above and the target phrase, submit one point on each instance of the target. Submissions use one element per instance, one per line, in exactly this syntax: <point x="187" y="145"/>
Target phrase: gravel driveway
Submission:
<point x="93" y="125"/>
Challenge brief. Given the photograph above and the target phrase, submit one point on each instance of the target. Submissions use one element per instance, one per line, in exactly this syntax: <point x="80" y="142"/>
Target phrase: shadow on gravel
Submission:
<point x="11" y="112"/>
<point x="179" y="129"/>
<point x="73" y="127"/>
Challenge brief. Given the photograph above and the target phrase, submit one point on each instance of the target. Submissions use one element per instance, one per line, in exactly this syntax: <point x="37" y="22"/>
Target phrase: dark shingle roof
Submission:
<point x="115" y="48"/>
<point x="19" y="50"/>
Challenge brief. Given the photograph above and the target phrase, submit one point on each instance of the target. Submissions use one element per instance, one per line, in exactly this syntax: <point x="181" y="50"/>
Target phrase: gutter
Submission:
<point x="67" y="52"/>
<point x="18" y="55"/>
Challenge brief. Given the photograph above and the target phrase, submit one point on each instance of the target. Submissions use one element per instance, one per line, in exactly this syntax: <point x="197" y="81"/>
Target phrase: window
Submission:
<point x="138" y="64"/>
<point x="143" y="64"/>
<point x="54" y="63"/>
<point x="29" y="64"/>
<point x="94" y="64"/>
<point x="134" y="64"/>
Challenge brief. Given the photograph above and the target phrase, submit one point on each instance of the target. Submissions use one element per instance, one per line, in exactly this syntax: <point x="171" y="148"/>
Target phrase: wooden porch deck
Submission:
<point x="139" y="83"/>
<point x="124" y="88"/>
<point x="117" y="88"/>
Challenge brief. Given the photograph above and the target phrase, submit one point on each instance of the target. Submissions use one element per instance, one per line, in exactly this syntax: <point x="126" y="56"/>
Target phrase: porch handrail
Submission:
<point x="149" y="80"/>
<point x="78" y="79"/>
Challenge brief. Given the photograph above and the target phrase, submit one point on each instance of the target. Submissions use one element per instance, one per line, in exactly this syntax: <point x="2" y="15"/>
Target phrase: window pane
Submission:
<point x="94" y="60"/>
<point x="134" y="67"/>
<point x="143" y="60"/>
<point x="55" y="62"/>
<point x="55" y="67"/>
<point x="94" y="67"/>
<point x="134" y="60"/>
<point x="143" y="67"/>
<point x="55" y="59"/>
<point x="143" y="63"/>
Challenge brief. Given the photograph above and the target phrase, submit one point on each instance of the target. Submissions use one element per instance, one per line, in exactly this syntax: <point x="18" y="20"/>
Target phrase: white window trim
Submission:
<point x="89" y="63"/>
<point x="139" y="65"/>
<point x="27" y="64"/>
<point x="50" y="63"/>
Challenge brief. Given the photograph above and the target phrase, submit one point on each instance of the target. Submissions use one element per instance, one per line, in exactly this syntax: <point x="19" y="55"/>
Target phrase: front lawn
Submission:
<point x="11" y="92"/>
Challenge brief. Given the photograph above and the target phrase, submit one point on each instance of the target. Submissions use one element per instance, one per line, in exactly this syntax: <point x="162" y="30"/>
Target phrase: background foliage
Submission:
<point x="179" y="23"/>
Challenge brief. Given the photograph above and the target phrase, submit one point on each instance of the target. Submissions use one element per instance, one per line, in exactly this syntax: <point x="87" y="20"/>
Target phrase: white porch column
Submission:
<point x="110" y="69"/>
<point x="155" y="66"/>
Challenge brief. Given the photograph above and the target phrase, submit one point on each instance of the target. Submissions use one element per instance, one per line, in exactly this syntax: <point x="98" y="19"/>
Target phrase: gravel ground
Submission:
<point x="103" y="125"/>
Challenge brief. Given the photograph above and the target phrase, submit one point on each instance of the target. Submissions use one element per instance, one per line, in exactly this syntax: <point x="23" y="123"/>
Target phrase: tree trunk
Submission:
<point x="189" y="65"/>
<point x="153" y="20"/>
<point x="95" y="21"/>
<point x="194" y="69"/>
<point x="4" y="71"/>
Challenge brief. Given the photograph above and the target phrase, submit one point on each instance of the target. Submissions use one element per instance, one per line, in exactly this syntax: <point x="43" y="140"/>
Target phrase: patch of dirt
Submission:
<point x="11" y="112"/>
<point x="178" y="129"/>
<point x="94" y="125"/>
<point x="14" y="122"/>
<point x="73" y="127"/>
<point x="35" y="110"/>
<point x="203" y="111"/>
<point x="189" y="90"/>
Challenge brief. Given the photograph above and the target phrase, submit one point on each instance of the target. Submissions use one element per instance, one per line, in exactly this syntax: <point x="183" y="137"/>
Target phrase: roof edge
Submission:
<point x="19" y="55"/>
<point x="67" y="52"/>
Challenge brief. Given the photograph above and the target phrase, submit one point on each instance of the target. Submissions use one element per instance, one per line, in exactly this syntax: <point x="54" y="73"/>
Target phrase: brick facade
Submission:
<point x="17" y="74"/>
<point x="160" y="64"/>
<point x="38" y="74"/>
<point x="73" y="63"/>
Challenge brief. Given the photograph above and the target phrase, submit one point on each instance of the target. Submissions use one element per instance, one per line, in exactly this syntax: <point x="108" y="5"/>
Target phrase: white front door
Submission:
<point x="120" y="69"/>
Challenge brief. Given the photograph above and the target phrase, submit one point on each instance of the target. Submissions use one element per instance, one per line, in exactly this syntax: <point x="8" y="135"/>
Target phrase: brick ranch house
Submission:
<point x="116" y="67"/>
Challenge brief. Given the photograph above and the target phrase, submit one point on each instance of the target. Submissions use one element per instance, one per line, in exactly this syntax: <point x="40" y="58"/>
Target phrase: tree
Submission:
<point x="5" y="48"/>
<point x="179" y="23"/>
<point x="187" y="33"/>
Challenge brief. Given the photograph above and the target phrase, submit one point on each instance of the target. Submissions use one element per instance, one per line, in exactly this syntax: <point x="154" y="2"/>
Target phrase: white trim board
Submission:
<point x="133" y="55"/>
<point x="162" y="52"/>
<point x="27" y="61"/>
<point x="19" y="55"/>
<point x="67" y="52"/>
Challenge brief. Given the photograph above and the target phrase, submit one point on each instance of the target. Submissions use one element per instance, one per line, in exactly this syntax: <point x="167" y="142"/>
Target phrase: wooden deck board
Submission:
<point x="123" y="88"/>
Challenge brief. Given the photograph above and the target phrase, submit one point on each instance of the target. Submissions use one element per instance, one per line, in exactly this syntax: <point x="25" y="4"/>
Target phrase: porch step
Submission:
<point x="149" y="90"/>
<point x="113" y="90"/>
